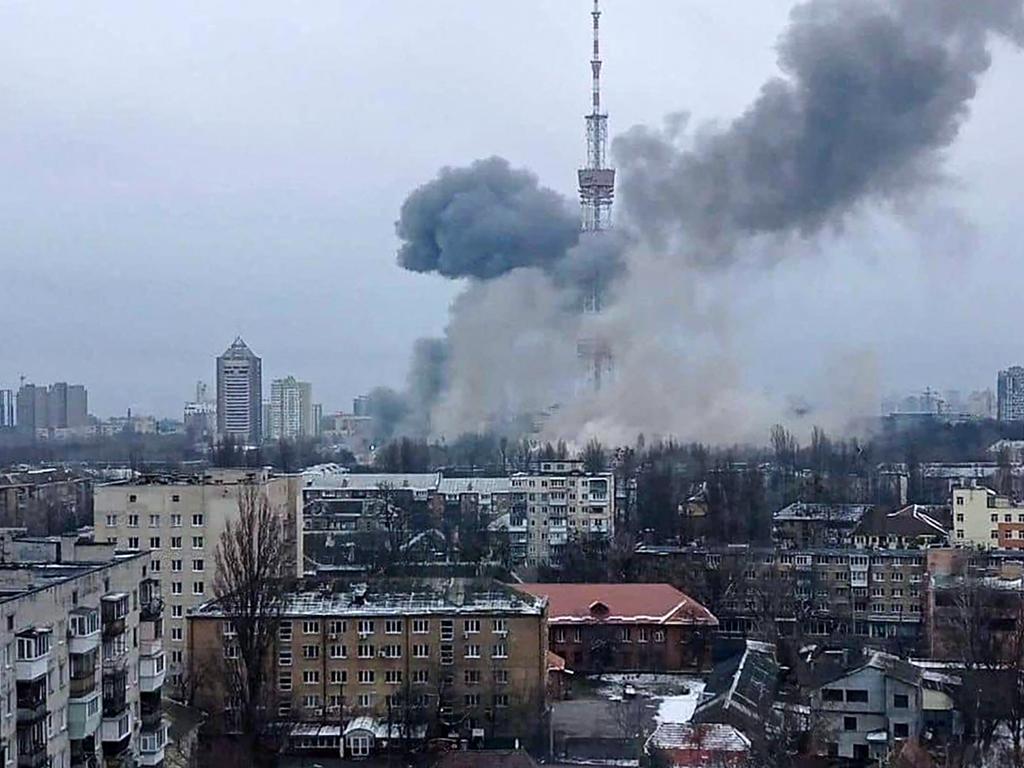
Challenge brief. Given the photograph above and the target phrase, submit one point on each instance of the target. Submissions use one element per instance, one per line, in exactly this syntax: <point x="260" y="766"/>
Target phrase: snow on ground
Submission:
<point x="675" y="696"/>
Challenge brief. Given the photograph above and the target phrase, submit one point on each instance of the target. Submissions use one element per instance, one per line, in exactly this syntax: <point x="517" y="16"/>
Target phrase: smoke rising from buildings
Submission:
<point x="868" y="96"/>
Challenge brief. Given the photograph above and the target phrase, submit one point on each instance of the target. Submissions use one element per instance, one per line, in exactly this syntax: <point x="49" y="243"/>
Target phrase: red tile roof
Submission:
<point x="618" y="603"/>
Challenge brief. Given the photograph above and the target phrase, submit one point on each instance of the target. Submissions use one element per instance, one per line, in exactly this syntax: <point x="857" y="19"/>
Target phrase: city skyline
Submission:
<point x="339" y="227"/>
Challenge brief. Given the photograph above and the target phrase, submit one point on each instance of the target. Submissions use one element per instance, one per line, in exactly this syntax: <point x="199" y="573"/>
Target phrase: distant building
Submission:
<point x="684" y="744"/>
<point x="983" y="518"/>
<point x="6" y="408"/>
<point x="62" y="406"/>
<point x="240" y="394"/>
<point x="601" y="628"/>
<point x="361" y="406"/>
<point x="200" y="419"/>
<point x="1010" y="394"/>
<point x="291" y="409"/>
<point x="318" y="416"/>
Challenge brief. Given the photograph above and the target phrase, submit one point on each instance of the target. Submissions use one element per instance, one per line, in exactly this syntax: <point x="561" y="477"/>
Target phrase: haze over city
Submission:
<point x="179" y="177"/>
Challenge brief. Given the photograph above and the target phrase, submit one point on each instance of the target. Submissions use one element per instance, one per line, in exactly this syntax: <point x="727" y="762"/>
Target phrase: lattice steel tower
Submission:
<point x="597" y="191"/>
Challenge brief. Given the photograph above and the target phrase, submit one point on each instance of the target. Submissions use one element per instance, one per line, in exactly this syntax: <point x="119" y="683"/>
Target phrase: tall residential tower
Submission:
<point x="240" y="394"/>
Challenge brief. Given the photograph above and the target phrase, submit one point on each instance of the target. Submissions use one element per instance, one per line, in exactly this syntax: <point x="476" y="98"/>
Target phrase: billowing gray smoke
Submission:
<point x="483" y="221"/>
<point x="869" y="94"/>
<point x="870" y="91"/>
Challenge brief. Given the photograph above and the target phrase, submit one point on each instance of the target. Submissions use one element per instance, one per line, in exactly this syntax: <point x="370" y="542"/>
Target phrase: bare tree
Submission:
<point x="254" y="564"/>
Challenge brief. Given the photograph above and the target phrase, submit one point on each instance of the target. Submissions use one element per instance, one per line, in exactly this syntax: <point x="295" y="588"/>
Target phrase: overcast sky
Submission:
<point x="173" y="175"/>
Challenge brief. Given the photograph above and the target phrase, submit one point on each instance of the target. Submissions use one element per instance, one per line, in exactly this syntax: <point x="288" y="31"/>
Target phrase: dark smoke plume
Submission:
<point x="871" y="91"/>
<point x="483" y="221"/>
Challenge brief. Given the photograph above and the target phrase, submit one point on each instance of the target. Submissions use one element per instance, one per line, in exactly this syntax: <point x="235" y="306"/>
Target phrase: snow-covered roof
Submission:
<point x="701" y="737"/>
<point x="372" y="482"/>
<point x="454" y="486"/>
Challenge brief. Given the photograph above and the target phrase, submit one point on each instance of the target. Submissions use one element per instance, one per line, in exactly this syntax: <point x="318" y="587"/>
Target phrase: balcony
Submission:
<point x="152" y="670"/>
<point x="31" y="710"/>
<point x="150" y="712"/>
<point x="84" y="630"/>
<point x="114" y="694"/>
<point x="152" y="604"/>
<point x="115" y="609"/>
<point x="84" y="716"/>
<point x="116" y="732"/>
<point x="151" y="745"/>
<point x="33" y="654"/>
<point x="83" y="753"/>
<point x="83" y="687"/>
<point x="36" y="758"/>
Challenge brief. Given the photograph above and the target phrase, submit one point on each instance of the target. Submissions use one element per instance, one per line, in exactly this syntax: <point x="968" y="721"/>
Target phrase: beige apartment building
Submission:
<point x="982" y="518"/>
<point x="83" y="663"/>
<point x="424" y="658"/>
<point x="560" y="502"/>
<point x="179" y="520"/>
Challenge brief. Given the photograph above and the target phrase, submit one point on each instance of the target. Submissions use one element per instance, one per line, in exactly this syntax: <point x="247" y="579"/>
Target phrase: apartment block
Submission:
<point x="984" y="519"/>
<point x="291" y="409"/>
<point x="180" y="520"/>
<point x="410" y="659"/>
<point x="83" y="659"/>
<point x="559" y="502"/>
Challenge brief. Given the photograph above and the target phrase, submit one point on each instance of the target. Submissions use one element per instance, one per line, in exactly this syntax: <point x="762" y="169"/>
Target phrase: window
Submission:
<point x="198" y="566"/>
<point x="366" y="677"/>
<point x="154" y="521"/>
<point x="337" y="627"/>
<point x="832" y="694"/>
<point x="176" y="521"/>
<point x="559" y="635"/>
<point x="133" y="521"/>
<point x="501" y="677"/>
<point x="339" y="677"/>
<point x="421" y="676"/>
<point x="365" y="651"/>
<point x="175" y="587"/>
<point x="198" y="588"/>
<point x="393" y="627"/>
<point x="391" y="651"/>
<point x="337" y="651"/>
<point x="642" y="635"/>
<point x="364" y="701"/>
<point x="284" y="681"/>
<point x="112" y="521"/>
<point x="175" y="542"/>
<point x="849" y="723"/>
<point x="471" y="677"/>
<point x="284" y="709"/>
<point x="231" y="651"/>
<point x="472" y="699"/>
<point x="284" y="631"/>
<point x="311" y="627"/>
<point x="659" y="636"/>
<point x="197" y="542"/>
<point x="499" y="651"/>
<point x="133" y="542"/>
<point x="154" y="542"/>
<point x="500" y="700"/>
<point x="901" y="730"/>
<point x="901" y="701"/>
<point x="177" y="611"/>
<point x="175" y="566"/>
<point x="311" y="701"/>
<point x="500" y="626"/>
<point x="447" y="629"/>
<point x="176" y="633"/>
<point x="227" y="629"/>
<point x="393" y="676"/>
<point x="420" y="651"/>
<point x="197" y="520"/>
<point x="311" y="651"/>
<point x="858" y="696"/>
<point x="960" y="517"/>
<point x="359" y="746"/>
<point x="284" y="657"/>
<point x="311" y="677"/>
<point x="447" y="654"/>
<point x="420" y="626"/>
<point x="471" y="626"/>
<point x="365" y="627"/>
<point x="472" y="651"/>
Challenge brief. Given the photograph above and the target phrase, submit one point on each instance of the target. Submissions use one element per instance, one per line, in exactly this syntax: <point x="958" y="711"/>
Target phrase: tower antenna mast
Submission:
<point x="597" y="182"/>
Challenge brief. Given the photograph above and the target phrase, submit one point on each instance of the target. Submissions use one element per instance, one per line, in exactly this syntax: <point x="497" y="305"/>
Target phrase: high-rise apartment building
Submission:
<point x="6" y="408"/>
<point x="426" y="658"/>
<point x="83" y="658"/>
<point x="240" y="394"/>
<point x="556" y="504"/>
<point x="291" y="409"/>
<point x="1010" y="394"/>
<point x="180" y="519"/>
<point x="62" y="406"/>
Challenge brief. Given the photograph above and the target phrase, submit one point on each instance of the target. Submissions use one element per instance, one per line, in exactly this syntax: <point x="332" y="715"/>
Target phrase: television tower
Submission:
<point x="597" y="190"/>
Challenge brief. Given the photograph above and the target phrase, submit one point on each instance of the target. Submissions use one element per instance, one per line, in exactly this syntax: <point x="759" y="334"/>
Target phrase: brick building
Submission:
<point x="422" y="659"/>
<point x="626" y="627"/>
